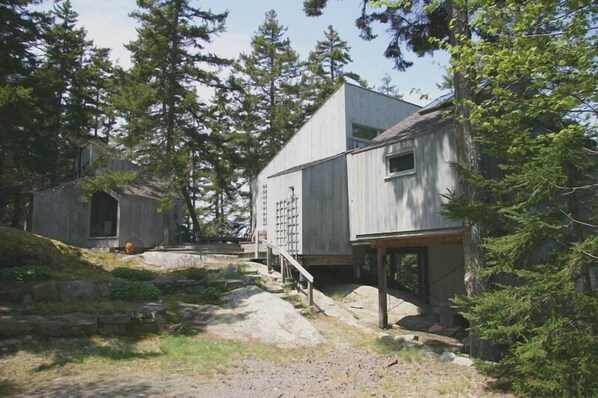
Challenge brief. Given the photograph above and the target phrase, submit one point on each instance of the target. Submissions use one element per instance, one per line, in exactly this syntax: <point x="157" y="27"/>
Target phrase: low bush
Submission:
<point x="134" y="291"/>
<point x="196" y="274"/>
<point x="26" y="273"/>
<point x="133" y="274"/>
<point x="211" y="294"/>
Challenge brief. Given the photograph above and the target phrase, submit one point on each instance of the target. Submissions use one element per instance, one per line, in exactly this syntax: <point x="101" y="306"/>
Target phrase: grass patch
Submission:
<point x="103" y="307"/>
<point x="459" y="386"/>
<point x="133" y="274"/>
<point x="202" y="353"/>
<point x="196" y="274"/>
<point x="26" y="273"/>
<point x="135" y="291"/>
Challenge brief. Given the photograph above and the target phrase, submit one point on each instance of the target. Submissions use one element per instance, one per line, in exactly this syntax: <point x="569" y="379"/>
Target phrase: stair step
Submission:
<point x="274" y="289"/>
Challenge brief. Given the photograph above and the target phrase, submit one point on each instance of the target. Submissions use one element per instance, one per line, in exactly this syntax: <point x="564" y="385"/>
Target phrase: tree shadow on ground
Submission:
<point x="65" y="388"/>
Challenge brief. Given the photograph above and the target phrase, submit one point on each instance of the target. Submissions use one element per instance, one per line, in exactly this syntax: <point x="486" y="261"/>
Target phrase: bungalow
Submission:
<point x="111" y="218"/>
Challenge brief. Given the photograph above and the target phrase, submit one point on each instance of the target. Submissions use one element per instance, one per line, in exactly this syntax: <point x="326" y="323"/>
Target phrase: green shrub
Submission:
<point x="211" y="294"/>
<point x="197" y="274"/>
<point x="133" y="274"/>
<point x="134" y="291"/>
<point x="26" y="273"/>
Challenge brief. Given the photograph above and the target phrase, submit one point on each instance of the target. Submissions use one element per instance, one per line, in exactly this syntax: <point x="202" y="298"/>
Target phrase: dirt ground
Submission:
<point x="351" y="363"/>
<point x="348" y="365"/>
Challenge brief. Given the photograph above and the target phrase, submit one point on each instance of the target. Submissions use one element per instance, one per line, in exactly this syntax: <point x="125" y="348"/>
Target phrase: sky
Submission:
<point x="108" y="25"/>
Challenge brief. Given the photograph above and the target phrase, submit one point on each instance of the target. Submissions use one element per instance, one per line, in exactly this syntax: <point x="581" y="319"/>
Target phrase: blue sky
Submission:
<point x="108" y="24"/>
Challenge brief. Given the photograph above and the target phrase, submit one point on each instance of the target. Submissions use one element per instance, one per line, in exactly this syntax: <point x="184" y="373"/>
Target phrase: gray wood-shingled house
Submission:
<point x="111" y="218"/>
<point x="300" y="199"/>
<point x="362" y="183"/>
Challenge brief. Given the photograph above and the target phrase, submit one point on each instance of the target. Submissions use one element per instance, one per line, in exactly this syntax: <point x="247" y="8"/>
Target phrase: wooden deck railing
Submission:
<point x="286" y="257"/>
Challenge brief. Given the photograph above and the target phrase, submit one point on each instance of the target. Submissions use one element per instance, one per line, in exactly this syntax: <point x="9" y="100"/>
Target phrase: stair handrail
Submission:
<point x="304" y="273"/>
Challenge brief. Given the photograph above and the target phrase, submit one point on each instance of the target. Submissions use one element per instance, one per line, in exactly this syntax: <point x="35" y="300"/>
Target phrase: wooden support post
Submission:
<point x="282" y="268"/>
<point x="310" y="294"/>
<point x="257" y="244"/>
<point x="357" y="270"/>
<point x="382" y="303"/>
<point x="269" y="259"/>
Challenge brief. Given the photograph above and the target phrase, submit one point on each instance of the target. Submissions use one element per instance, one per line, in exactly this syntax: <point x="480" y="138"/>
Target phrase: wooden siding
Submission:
<point x="60" y="214"/>
<point x="370" y="109"/>
<point x="103" y="160"/>
<point x="327" y="133"/>
<point x="322" y="136"/>
<point x="381" y="205"/>
<point x="326" y="209"/>
<point x="141" y="223"/>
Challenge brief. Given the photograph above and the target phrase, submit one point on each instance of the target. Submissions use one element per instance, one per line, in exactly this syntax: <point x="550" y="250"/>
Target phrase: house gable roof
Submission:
<point x="422" y="122"/>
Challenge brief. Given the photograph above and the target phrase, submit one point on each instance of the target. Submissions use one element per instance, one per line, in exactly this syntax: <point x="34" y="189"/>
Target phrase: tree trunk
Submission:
<point x="192" y="213"/>
<point x="468" y="155"/>
<point x="17" y="210"/>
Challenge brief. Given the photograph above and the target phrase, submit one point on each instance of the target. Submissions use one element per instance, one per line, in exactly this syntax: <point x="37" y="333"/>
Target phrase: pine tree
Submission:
<point x="325" y="67"/>
<point x="159" y="102"/>
<point x="537" y="120"/>
<point x="63" y="91"/>
<point x="21" y="147"/>
<point x="220" y="171"/>
<point x="101" y="85"/>
<point x="271" y="76"/>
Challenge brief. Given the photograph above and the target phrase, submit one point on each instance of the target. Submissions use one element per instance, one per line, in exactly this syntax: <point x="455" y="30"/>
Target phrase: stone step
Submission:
<point x="274" y="289"/>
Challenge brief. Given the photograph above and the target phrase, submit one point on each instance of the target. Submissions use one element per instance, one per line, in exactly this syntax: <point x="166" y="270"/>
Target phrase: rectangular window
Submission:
<point x="400" y="164"/>
<point x="365" y="133"/>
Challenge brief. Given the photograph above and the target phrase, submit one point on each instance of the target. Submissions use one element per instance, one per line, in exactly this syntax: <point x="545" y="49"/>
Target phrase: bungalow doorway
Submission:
<point x="103" y="215"/>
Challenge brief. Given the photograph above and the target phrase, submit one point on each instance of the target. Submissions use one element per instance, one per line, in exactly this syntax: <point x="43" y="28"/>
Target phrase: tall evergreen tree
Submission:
<point x="21" y="148"/>
<point x="63" y="91"/>
<point x="271" y="76"/>
<point x="537" y="72"/>
<point x="160" y="105"/>
<point x="101" y="82"/>
<point x="220" y="171"/>
<point x="325" y="67"/>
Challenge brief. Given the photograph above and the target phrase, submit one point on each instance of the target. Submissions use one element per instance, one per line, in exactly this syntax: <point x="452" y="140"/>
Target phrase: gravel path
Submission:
<point x="338" y="369"/>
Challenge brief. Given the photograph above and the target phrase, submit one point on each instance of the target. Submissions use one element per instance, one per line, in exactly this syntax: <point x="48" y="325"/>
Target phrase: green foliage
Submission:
<point x="19" y="169"/>
<point x="325" y="70"/>
<point x="26" y="273"/>
<point x="134" y="291"/>
<point x="133" y="274"/>
<point x="271" y="108"/>
<point x="158" y="99"/>
<point x="196" y="274"/>
<point x="106" y="181"/>
<point x="211" y="294"/>
<point x="537" y="81"/>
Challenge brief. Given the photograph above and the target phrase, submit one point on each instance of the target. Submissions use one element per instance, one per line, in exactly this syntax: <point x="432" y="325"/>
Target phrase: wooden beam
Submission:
<point x="418" y="241"/>
<point x="327" y="260"/>
<point x="382" y="302"/>
<point x="269" y="259"/>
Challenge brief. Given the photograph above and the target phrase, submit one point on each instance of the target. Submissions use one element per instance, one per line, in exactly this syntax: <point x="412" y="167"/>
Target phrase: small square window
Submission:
<point x="400" y="164"/>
